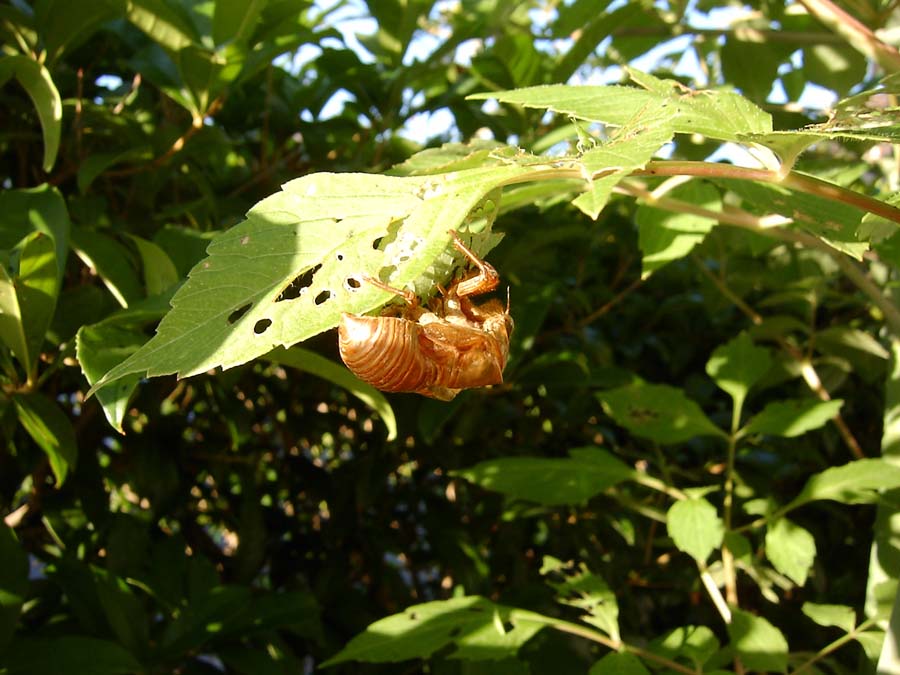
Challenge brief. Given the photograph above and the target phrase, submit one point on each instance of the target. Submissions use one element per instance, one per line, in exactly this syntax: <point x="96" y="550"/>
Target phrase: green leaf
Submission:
<point x="721" y="115"/>
<point x="40" y="209"/>
<point x="318" y="365"/>
<point x="837" y="67"/>
<point x="737" y="366"/>
<point x="123" y="609"/>
<point x="751" y="67"/>
<point x="587" y="472"/>
<point x="165" y="23"/>
<point x="111" y="261"/>
<point x="64" y="25"/>
<point x="835" y="223"/>
<point x="791" y="549"/>
<point x="858" y="482"/>
<point x="629" y="148"/>
<point x="13" y="583"/>
<point x="159" y="270"/>
<point x="100" y="347"/>
<point x="95" y="164"/>
<point x="290" y="270"/>
<point x="479" y="628"/>
<point x="70" y="655"/>
<point x="236" y="21"/>
<point x="664" y="236"/>
<point x="587" y="591"/>
<point x="615" y="663"/>
<point x="697" y="643"/>
<point x="39" y="86"/>
<point x="658" y="412"/>
<point x="51" y="429"/>
<point x="695" y="527"/>
<point x="840" y="616"/>
<point x="28" y="300"/>
<point x="793" y="418"/>
<point x="760" y="645"/>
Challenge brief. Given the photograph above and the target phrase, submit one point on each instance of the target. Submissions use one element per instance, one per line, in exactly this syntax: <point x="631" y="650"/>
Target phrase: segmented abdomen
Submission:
<point x="384" y="352"/>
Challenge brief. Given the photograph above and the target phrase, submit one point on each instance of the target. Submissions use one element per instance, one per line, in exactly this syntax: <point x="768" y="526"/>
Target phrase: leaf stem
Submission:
<point x="834" y="646"/>
<point x="792" y="180"/>
<point x="714" y="593"/>
<point x="596" y="636"/>
<point x="731" y="594"/>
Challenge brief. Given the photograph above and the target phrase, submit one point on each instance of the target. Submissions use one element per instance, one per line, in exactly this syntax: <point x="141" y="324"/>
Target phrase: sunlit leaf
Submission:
<point x="474" y="625"/>
<point x="760" y="645"/>
<point x="737" y="366"/>
<point x="858" y="482"/>
<point x="695" y="527"/>
<point x="791" y="549"/>
<point x="299" y="260"/>
<point x="840" y="616"/>
<point x="585" y="473"/>
<point x="658" y="412"/>
<point x="36" y="81"/>
<point x="793" y="418"/>
<point x="51" y="429"/>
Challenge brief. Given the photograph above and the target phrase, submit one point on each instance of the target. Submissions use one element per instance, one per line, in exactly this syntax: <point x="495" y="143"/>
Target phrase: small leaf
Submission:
<point x="159" y="270"/>
<point x="695" y="527"/>
<point x="421" y="630"/>
<point x="37" y="288"/>
<point x="858" y="482"/>
<point x="629" y="148"/>
<point x="793" y="418"/>
<point x="100" y="347"/>
<point x="720" y="115"/>
<point x="760" y="645"/>
<point x="658" y="412"/>
<point x="318" y="365"/>
<point x="51" y="429"/>
<point x="36" y="81"/>
<point x="791" y="549"/>
<point x="615" y="663"/>
<point x="587" y="472"/>
<point x="587" y="591"/>
<point x="111" y="261"/>
<point x="737" y="366"/>
<point x="698" y="643"/>
<point x="840" y="616"/>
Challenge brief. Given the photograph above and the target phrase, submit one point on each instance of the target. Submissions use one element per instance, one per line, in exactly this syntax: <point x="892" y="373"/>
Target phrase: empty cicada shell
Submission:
<point x="437" y="353"/>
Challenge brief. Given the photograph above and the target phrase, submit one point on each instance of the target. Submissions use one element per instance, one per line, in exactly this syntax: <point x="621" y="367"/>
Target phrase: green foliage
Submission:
<point x="680" y="471"/>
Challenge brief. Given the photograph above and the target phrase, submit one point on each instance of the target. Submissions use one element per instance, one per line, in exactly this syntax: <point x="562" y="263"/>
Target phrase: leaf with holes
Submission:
<point x="299" y="259"/>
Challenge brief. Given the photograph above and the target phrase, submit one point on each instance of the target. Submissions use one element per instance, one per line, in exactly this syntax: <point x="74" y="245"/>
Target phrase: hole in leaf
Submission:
<point x="377" y="243"/>
<point x="323" y="297"/>
<point x="239" y="312"/>
<point x="456" y="630"/>
<point x="352" y="283"/>
<point x="298" y="285"/>
<point x="413" y="616"/>
<point x="262" y="326"/>
<point x="339" y="256"/>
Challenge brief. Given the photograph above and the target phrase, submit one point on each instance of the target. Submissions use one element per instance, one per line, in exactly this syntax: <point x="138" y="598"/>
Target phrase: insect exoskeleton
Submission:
<point x="437" y="353"/>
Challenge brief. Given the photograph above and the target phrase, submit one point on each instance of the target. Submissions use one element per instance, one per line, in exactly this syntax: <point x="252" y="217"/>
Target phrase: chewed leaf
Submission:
<point x="722" y="115"/>
<point x="300" y="258"/>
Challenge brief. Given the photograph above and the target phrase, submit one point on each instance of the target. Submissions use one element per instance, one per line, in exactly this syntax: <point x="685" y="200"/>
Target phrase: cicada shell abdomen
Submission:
<point x="384" y="351"/>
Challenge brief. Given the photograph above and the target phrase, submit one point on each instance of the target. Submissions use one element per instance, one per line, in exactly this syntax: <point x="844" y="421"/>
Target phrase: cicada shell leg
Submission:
<point x="484" y="281"/>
